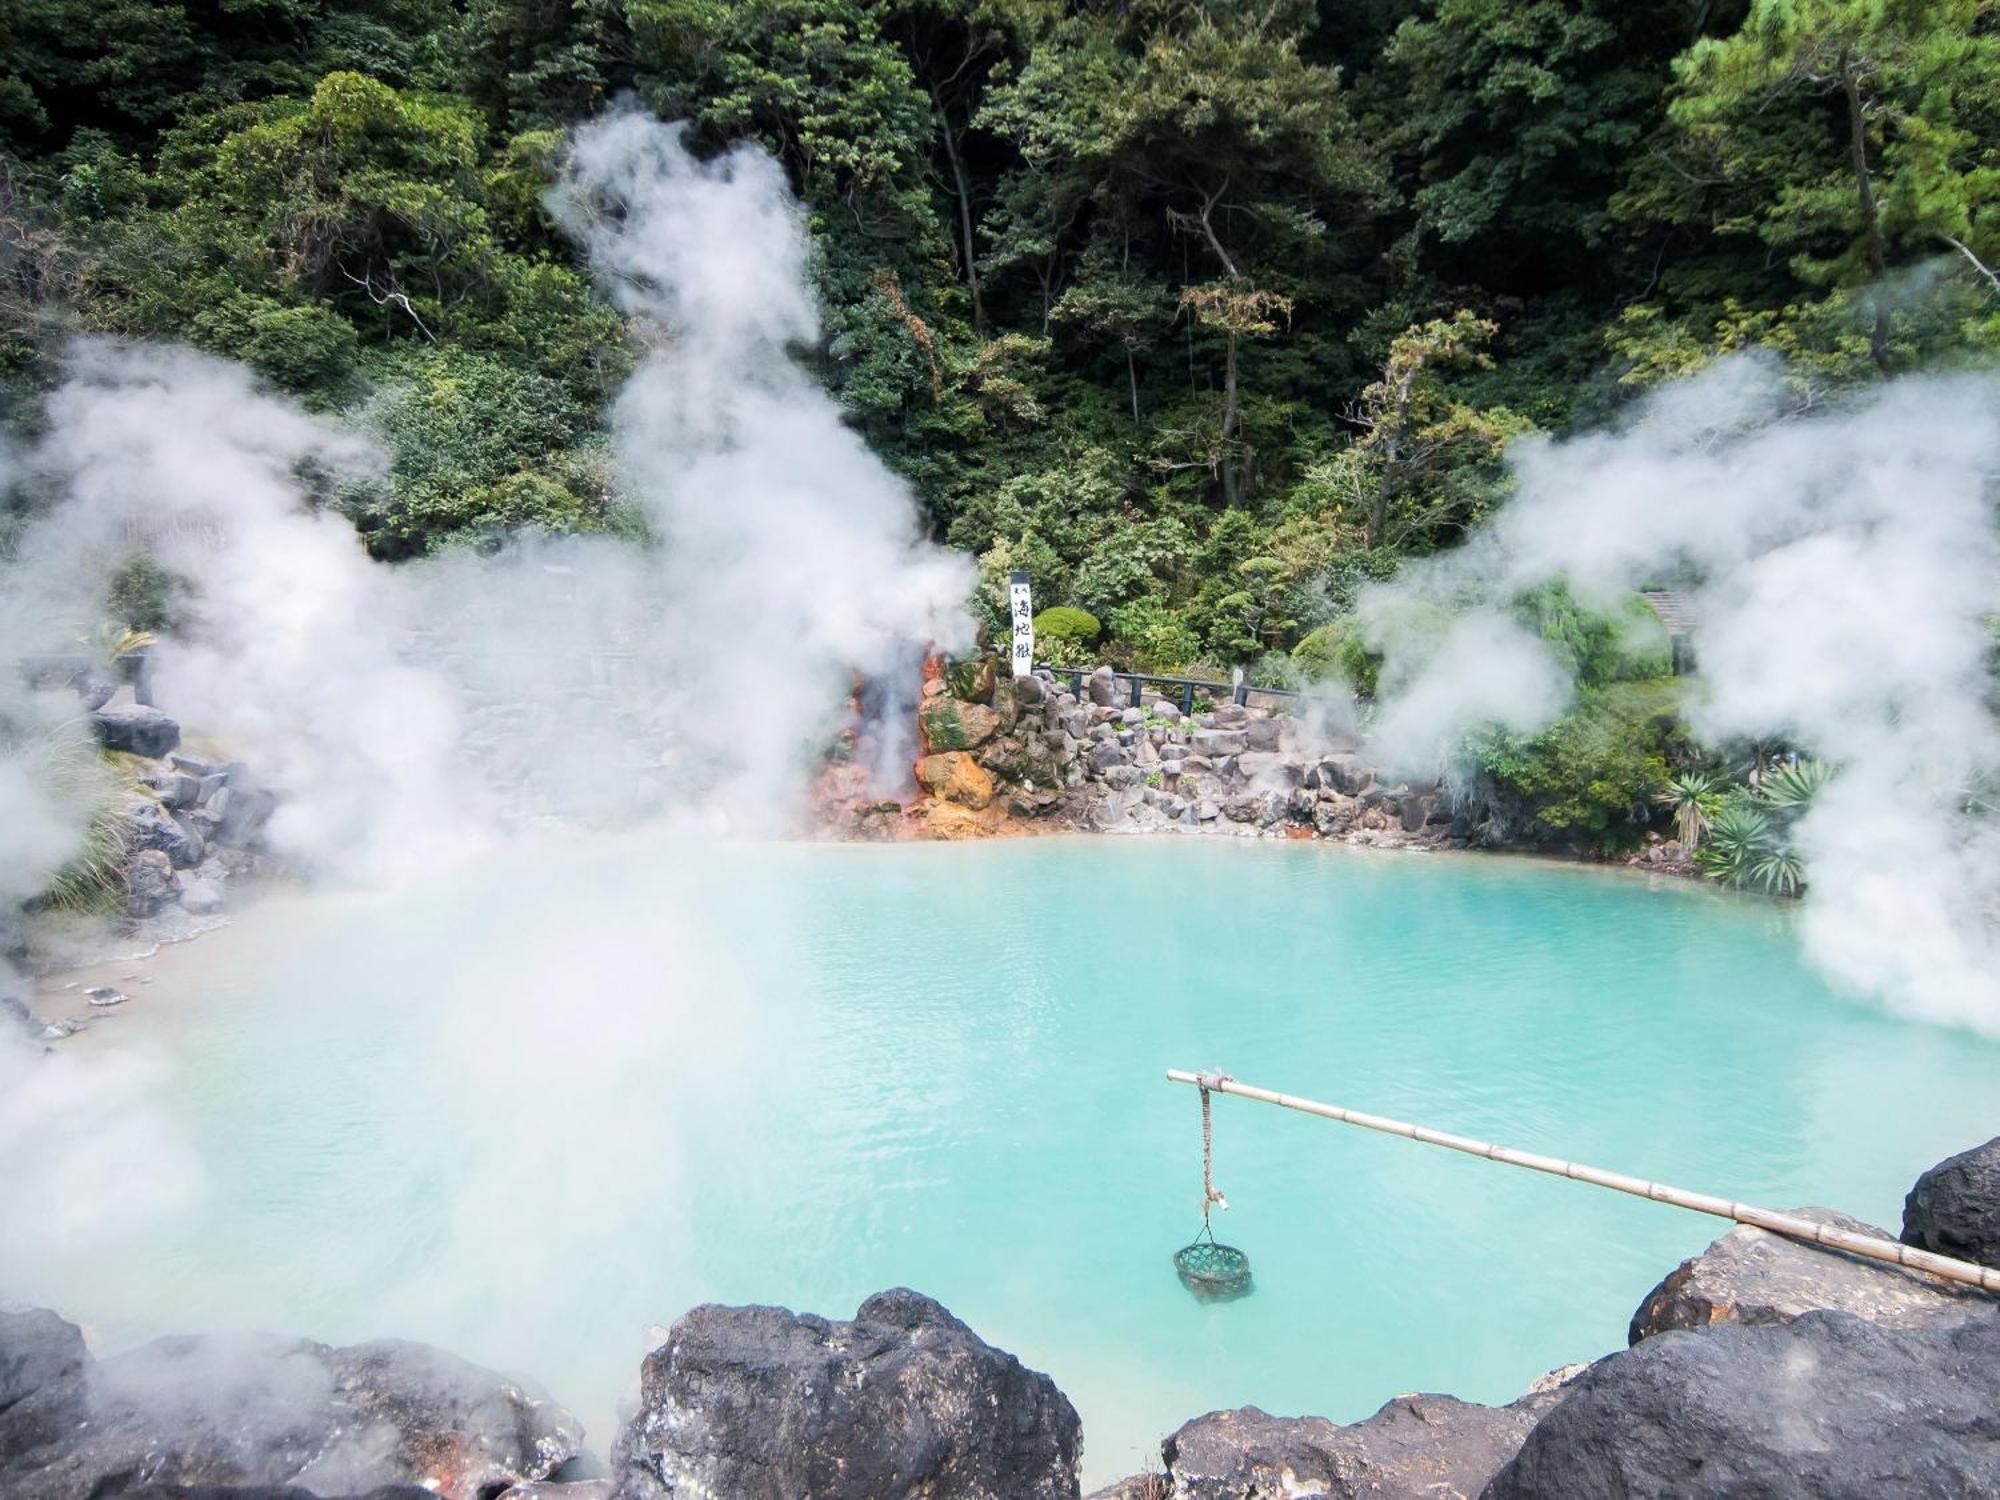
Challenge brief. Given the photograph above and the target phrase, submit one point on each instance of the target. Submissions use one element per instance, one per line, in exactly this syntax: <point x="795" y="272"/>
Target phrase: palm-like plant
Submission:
<point x="1778" y="871"/>
<point x="1794" y="784"/>
<point x="1693" y="799"/>
<point x="1739" y="837"/>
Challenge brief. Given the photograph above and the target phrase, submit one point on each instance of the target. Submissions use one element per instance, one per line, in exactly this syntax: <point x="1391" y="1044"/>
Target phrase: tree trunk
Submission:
<point x="1392" y="465"/>
<point x="1132" y="374"/>
<point x="1378" y="510"/>
<point x="968" y="251"/>
<point x="1229" y="423"/>
<point x="1874" y="255"/>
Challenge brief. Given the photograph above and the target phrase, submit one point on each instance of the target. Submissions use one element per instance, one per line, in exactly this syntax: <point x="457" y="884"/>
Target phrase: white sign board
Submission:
<point x="1022" y="608"/>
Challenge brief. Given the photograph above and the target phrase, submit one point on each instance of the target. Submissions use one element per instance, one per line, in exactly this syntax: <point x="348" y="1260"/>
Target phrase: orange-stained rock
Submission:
<point x="956" y="777"/>
<point x="945" y="820"/>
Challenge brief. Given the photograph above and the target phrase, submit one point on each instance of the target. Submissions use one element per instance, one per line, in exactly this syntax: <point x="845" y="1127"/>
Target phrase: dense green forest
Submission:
<point x="1205" y="311"/>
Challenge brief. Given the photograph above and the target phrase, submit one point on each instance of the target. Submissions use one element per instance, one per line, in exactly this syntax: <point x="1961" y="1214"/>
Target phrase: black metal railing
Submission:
<point x="1238" y="692"/>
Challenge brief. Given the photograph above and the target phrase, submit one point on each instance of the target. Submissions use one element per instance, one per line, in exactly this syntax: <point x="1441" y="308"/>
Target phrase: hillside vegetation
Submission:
<point x="1206" y="312"/>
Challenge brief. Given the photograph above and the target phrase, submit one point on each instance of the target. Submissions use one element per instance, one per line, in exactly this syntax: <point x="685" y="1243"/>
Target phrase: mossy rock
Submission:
<point x="972" y="680"/>
<point x="950" y="725"/>
<point x="944" y="728"/>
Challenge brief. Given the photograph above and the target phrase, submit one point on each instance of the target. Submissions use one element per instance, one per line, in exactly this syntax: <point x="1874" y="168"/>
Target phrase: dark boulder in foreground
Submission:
<point x="757" y="1403"/>
<point x="1414" y="1448"/>
<point x="261" y="1411"/>
<point x="1954" y="1209"/>
<point x="1828" y="1405"/>
<point x="137" y="729"/>
<point x="268" y="1492"/>
<point x="1753" y="1276"/>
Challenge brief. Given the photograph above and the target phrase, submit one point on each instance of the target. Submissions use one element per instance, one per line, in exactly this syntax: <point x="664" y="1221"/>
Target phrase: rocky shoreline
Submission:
<point x="1762" y="1367"/>
<point x="1013" y="756"/>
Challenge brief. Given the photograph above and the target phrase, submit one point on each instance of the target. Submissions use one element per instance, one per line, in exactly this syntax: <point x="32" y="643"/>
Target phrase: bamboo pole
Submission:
<point x="1789" y="1225"/>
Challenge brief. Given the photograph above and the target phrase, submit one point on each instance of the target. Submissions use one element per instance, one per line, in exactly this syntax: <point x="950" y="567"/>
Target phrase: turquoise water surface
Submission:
<point x="530" y="1111"/>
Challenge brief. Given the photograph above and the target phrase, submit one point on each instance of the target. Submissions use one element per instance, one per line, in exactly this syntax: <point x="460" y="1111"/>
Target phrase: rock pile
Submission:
<point x="184" y="1413"/>
<point x="1760" y="1367"/>
<point x="193" y="823"/>
<point x="1030" y="750"/>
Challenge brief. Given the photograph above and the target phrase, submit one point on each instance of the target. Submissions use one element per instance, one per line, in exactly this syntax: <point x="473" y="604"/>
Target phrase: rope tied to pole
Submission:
<point x="1213" y="1271"/>
<point x="1808" y="1231"/>
<point x="1209" y="1195"/>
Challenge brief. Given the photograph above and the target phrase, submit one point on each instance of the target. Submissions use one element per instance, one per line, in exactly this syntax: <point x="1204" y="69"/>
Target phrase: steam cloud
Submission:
<point x="409" y="716"/>
<point x="1843" y="565"/>
<point x="409" y="709"/>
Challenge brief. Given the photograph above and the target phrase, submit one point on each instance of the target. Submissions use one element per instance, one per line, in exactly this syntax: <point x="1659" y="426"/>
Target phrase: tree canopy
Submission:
<point x="1205" y="311"/>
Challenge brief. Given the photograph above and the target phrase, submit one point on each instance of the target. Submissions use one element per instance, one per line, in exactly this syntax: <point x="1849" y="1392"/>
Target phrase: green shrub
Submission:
<point x="142" y="595"/>
<point x="1626" y="643"/>
<point x="1588" y="780"/>
<point x="1335" y="653"/>
<point x="1161" y="640"/>
<point x="1064" y="625"/>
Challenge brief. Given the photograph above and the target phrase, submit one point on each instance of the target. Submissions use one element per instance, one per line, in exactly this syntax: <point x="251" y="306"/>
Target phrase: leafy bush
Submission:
<point x="1159" y="637"/>
<point x="143" y="594"/>
<point x="1626" y="643"/>
<point x="1588" y="780"/>
<point x="1066" y="625"/>
<point x="1335" y="653"/>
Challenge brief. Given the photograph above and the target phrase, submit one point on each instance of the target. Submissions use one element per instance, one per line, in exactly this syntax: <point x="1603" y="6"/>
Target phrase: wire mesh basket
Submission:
<point x="1213" y="1272"/>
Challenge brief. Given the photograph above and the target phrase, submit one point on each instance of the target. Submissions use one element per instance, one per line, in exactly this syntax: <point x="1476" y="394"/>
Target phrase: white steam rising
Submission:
<point x="399" y="713"/>
<point x="1843" y="567"/>
<point x="793" y="556"/>
<point x="409" y="716"/>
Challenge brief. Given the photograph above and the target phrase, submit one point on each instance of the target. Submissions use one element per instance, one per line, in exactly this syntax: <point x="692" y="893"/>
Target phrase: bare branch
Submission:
<point x="367" y="284"/>
<point x="1977" y="264"/>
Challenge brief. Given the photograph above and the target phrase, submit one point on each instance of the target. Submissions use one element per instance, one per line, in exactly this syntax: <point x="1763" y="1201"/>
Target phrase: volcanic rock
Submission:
<point x="955" y="776"/>
<point x="950" y="725"/>
<point x="136" y="729"/>
<point x="1414" y="1448"/>
<point x="905" y="1401"/>
<point x="150" y="826"/>
<point x="1828" y="1405"/>
<point x="150" y="883"/>
<point x="243" y="810"/>
<point x="1753" y="1276"/>
<point x="271" y="1492"/>
<point x="185" y="1412"/>
<point x="1954" y="1209"/>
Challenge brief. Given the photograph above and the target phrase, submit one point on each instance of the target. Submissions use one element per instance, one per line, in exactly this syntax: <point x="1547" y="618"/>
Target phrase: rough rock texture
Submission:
<point x="261" y="1411"/>
<point x="267" y="1492"/>
<point x="954" y="776"/>
<point x="1753" y="1276"/>
<point x="150" y="883"/>
<point x="1089" y="757"/>
<point x="757" y="1403"/>
<point x="136" y="729"/>
<point x="1415" y="1448"/>
<point x="1954" y="1209"/>
<point x="952" y="725"/>
<point x="1828" y="1405"/>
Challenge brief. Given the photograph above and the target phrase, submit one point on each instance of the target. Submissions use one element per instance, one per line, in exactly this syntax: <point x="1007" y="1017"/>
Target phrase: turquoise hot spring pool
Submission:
<point x="532" y="1110"/>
